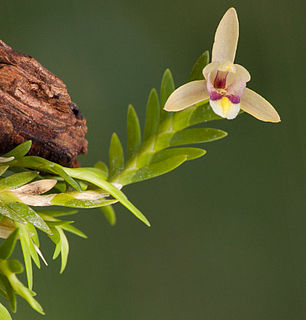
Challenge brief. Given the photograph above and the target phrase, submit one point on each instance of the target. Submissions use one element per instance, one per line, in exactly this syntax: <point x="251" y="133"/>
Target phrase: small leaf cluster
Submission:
<point x="31" y="187"/>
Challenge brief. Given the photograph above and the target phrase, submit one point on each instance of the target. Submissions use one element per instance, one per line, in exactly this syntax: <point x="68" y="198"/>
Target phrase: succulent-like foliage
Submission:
<point x="28" y="182"/>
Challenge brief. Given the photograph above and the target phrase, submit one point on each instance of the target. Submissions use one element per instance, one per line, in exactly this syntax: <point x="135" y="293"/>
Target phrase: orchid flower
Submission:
<point x="225" y="82"/>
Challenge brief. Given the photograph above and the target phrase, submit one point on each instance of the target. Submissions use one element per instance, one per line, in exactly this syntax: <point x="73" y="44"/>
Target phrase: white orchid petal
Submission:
<point x="242" y="72"/>
<point x="225" y="108"/>
<point x="258" y="107"/>
<point x="187" y="95"/>
<point x="226" y="38"/>
<point x="209" y="68"/>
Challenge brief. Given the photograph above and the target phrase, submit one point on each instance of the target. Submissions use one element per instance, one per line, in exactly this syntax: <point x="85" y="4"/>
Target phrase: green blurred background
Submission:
<point x="227" y="237"/>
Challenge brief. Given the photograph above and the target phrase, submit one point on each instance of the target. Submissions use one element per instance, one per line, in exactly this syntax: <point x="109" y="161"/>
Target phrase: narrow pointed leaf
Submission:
<point x="28" y="214"/>
<point x="196" y="135"/>
<point x="202" y="61"/>
<point x="25" y="245"/>
<point x="2" y="292"/>
<point x="191" y="153"/>
<point x="55" y="237"/>
<point x="116" y="157"/>
<point x="199" y="113"/>
<point x="3" y="169"/>
<point x="98" y="180"/>
<point x="72" y="229"/>
<point x="67" y="200"/>
<point x="33" y="234"/>
<point x="64" y="249"/>
<point x="134" y="133"/>
<point x="153" y="170"/>
<point x="109" y="214"/>
<point x="26" y="294"/>
<point x="152" y="116"/>
<point x="103" y="167"/>
<point x="57" y="213"/>
<point x="20" y="151"/>
<point x="18" y="179"/>
<point x="10" y="292"/>
<point x="167" y="87"/>
<point x="41" y="164"/>
<point x="8" y="246"/>
<point x="6" y="211"/>
<point x="4" y="314"/>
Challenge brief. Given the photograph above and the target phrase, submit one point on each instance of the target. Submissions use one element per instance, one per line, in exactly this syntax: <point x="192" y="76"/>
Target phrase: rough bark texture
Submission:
<point x="35" y="105"/>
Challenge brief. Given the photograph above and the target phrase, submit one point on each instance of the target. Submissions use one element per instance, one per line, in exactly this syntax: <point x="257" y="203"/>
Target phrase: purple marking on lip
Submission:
<point x="220" y="79"/>
<point x="214" y="95"/>
<point x="233" y="98"/>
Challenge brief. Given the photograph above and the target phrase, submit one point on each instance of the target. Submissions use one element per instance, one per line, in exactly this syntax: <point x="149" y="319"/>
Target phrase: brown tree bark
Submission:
<point x="35" y="105"/>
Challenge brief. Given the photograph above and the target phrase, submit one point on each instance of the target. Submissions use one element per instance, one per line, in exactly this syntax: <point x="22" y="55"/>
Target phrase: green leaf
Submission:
<point x="103" y="167"/>
<point x="33" y="234"/>
<point x="202" y="61"/>
<point x="167" y="87"/>
<point x="191" y="153"/>
<point x="4" y="314"/>
<point x="28" y="214"/>
<point x="109" y="214"/>
<point x="41" y="164"/>
<point x="72" y="229"/>
<point x="67" y="200"/>
<point x="153" y="170"/>
<point x="196" y="135"/>
<point x="8" y="246"/>
<point x="199" y="113"/>
<point x="3" y="169"/>
<point x="116" y="157"/>
<point x="9" y="290"/>
<point x="57" y="213"/>
<point x="58" y="223"/>
<point x="6" y="211"/>
<point x="62" y="186"/>
<point x="17" y="180"/>
<point x="64" y="249"/>
<point x="15" y="266"/>
<point x="134" y="133"/>
<point x="26" y="250"/>
<point x="152" y="116"/>
<point x="2" y="290"/>
<point x="55" y="237"/>
<point x="20" y="151"/>
<point x="98" y="180"/>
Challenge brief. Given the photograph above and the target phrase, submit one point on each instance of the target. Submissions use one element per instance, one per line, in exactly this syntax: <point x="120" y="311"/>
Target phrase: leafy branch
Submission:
<point x="28" y="182"/>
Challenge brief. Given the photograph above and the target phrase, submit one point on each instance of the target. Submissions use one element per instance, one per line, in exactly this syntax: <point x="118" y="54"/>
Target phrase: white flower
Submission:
<point x="225" y="82"/>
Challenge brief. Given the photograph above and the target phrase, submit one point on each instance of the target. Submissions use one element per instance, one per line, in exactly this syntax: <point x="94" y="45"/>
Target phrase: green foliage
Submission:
<point x="153" y="155"/>
<point x="27" y="182"/>
<point x="8" y="246"/>
<point x="196" y="73"/>
<point x="4" y="314"/>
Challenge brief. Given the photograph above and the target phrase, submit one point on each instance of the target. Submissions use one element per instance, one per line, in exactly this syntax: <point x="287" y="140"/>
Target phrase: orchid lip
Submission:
<point x="214" y="95"/>
<point x="220" y="79"/>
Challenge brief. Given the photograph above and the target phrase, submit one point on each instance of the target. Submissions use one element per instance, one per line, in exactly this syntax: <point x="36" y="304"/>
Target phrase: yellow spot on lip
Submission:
<point x="226" y="104"/>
